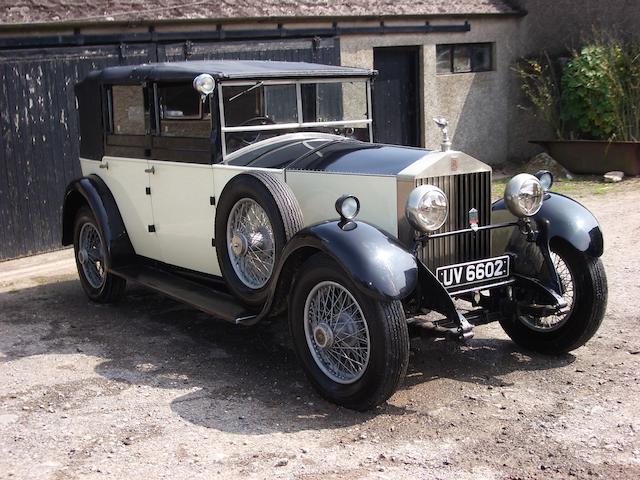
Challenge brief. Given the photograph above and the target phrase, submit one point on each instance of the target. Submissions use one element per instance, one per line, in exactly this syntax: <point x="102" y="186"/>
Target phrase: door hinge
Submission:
<point x="212" y="200"/>
<point x="148" y="190"/>
<point x="152" y="228"/>
<point x="213" y="242"/>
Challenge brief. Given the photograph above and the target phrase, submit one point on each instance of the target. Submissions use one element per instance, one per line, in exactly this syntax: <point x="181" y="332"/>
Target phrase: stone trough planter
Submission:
<point x="594" y="157"/>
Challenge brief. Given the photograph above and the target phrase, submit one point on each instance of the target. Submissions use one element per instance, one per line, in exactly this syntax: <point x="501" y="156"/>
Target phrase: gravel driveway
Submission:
<point x="150" y="388"/>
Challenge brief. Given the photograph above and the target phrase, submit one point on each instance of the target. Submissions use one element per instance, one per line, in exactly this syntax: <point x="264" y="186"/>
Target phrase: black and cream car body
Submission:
<point x="248" y="189"/>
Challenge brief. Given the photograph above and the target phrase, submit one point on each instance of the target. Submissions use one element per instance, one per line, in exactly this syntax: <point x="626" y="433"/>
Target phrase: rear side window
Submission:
<point x="182" y="112"/>
<point x="128" y="115"/>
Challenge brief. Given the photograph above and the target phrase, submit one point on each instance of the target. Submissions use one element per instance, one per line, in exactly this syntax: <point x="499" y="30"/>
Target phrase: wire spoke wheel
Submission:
<point x="91" y="256"/>
<point x="337" y="333"/>
<point x="250" y="243"/>
<point x="567" y="283"/>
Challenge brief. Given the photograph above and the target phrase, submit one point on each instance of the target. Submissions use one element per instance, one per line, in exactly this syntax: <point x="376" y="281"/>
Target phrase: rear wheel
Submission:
<point x="92" y="260"/>
<point x="584" y="285"/>
<point x="354" y="349"/>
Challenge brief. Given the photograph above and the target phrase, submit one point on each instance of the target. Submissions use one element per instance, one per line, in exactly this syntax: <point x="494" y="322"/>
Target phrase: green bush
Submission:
<point x="595" y="96"/>
<point x="589" y="97"/>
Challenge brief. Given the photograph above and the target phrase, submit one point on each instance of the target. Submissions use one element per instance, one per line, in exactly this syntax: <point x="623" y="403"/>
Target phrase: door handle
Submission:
<point x="104" y="165"/>
<point x="150" y="170"/>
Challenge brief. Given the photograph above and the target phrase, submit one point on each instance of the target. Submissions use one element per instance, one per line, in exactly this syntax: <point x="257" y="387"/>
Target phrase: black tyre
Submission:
<point x="354" y="349"/>
<point x="256" y="216"/>
<point x="92" y="260"/>
<point x="584" y="283"/>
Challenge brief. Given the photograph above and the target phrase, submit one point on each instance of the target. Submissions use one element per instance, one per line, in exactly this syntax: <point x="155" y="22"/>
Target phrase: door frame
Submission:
<point x="418" y="51"/>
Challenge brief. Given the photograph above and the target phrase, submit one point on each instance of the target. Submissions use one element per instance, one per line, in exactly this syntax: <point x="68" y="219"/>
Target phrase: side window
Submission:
<point x="464" y="58"/>
<point x="128" y="113"/>
<point x="182" y="112"/>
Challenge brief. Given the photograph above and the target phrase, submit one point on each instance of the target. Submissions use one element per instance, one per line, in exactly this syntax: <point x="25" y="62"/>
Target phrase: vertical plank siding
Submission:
<point x="39" y="125"/>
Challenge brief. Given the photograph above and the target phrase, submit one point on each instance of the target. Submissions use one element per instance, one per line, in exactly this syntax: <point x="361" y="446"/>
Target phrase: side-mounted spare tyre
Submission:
<point x="256" y="216"/>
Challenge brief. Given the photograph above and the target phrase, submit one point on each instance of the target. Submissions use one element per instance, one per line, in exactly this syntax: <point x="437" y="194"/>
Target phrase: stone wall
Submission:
<point x="557" y="27"/>
<point x="560" y="25"/>
<point x="476" y="104"/>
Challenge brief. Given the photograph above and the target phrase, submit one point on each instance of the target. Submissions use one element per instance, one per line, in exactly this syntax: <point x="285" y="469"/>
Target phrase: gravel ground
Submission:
<point x="150" y="388"/>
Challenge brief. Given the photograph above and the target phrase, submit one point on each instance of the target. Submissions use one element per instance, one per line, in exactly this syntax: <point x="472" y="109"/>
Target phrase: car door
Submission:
<point x="125" y="166"/>
<point x="181" y="178"/>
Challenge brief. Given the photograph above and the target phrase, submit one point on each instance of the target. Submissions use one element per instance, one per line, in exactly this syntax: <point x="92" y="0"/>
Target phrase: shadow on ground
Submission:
<point x="153" y="341"/>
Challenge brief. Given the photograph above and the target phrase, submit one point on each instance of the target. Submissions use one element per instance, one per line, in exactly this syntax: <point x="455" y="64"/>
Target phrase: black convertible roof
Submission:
<point x="223" y="69"/>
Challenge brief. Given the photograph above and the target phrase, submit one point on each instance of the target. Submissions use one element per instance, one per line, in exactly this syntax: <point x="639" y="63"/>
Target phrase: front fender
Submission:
<point x="93" y="192"/>
<point x="376" y="262"/>
<point x="559" y="218"/>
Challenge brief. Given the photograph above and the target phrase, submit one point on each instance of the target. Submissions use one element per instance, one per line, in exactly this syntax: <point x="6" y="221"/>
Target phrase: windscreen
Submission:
<point x="260" y="110"/>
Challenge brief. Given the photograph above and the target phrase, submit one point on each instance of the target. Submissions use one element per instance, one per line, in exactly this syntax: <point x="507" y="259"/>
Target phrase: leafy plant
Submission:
<point x="589" y="97"/>
<point x="597" y="95"/>
<point x="541" y="87"/>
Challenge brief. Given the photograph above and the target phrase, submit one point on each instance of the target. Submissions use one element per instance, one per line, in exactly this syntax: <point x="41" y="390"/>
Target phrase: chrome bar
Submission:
<point x="469" y="230"/>
<point x="285" y="126"/>
<point x="479" y="288"/>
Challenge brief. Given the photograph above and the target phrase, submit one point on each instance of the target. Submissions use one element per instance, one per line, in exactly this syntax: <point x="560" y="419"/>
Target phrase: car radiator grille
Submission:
<point x="464" y="192"/>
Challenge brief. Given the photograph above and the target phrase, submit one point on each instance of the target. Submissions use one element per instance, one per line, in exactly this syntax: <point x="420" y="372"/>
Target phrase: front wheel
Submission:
<point x="354" y="349"/>
<point x="584" y="284"/>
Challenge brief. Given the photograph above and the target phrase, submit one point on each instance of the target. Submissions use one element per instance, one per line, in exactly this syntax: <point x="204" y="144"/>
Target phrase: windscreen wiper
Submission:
<point x="259" y="84"/>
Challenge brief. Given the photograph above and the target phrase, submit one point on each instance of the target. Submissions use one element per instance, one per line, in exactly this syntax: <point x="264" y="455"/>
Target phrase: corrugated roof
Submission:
<point x="47" y="11"/>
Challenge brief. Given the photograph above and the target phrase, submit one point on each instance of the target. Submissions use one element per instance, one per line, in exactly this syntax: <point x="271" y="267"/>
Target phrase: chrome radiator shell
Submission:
<point x="464" y="192"/>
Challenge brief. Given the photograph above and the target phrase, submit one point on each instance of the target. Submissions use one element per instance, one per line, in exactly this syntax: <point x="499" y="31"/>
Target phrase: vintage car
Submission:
<point x="250" y="188"/>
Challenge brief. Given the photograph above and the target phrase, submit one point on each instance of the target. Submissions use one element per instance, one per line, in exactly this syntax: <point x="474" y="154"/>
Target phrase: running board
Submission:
<point x="210" y="300"/>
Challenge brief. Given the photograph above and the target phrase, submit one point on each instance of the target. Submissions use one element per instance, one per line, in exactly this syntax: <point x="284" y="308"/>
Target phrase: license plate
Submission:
<point x="479" y="271"/>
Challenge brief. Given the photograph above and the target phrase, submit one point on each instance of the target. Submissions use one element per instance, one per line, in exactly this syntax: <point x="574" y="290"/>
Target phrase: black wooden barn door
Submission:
<point x="396" y="96"/>
<point x="39" y="137"/>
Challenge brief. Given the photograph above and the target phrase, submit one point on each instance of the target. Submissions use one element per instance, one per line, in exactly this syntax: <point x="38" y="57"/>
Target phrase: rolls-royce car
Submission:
<point x="255" y="190"/>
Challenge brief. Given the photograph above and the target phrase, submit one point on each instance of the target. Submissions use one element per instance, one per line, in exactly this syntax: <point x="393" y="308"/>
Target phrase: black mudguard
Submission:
<point x="373" y="259"/>
<point x="559" y="218"/>
<point x="432" y="295"/>
<point x="92" y="191"/>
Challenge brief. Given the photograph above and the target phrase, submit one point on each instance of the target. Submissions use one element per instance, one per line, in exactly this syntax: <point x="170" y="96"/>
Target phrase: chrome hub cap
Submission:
<point x="91" y="256"/>
<point x="323" y="335"/>
<point x="336" y="332"/>
<point x="239" y="245"/>
<point x="83" y="256"/>
<point x="553" y="322"/>
<point x="250" y="242"/>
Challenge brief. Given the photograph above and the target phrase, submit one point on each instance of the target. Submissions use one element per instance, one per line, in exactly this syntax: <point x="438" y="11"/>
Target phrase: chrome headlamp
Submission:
<point x="204" y="84"/>
<point x="523" y="195"/>
<point x="427" y="208"/>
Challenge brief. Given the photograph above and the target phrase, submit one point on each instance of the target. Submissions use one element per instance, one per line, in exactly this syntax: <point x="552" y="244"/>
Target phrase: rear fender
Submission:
<point x="94" y="193"/>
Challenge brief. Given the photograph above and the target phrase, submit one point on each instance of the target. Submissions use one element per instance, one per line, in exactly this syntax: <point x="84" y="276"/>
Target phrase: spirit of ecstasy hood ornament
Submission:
<point x="443" y="123"/>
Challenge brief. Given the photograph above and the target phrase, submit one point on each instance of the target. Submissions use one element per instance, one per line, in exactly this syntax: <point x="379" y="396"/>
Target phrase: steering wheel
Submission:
<point x="246" y="137"/>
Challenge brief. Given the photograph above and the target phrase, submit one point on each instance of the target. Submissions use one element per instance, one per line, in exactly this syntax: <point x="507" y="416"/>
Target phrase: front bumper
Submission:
<point x="433" y="295"/>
